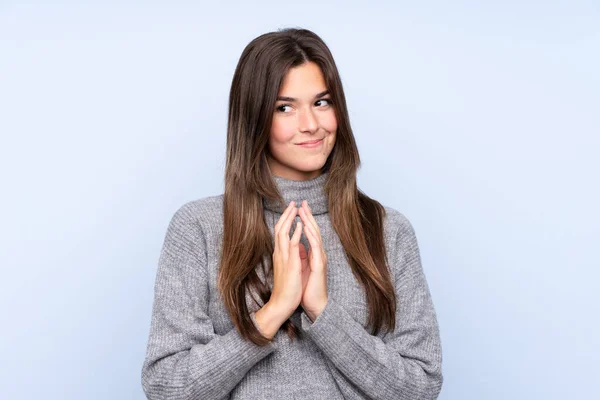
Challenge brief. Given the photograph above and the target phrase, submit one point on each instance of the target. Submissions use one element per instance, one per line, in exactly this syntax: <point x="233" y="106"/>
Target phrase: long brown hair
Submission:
<point x="247" y="241"/>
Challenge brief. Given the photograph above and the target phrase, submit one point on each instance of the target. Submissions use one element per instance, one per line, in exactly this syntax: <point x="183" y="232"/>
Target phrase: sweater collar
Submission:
<point x="312" y="190"/>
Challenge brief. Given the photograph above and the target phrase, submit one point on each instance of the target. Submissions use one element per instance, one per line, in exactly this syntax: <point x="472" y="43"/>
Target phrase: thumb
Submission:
<point x="302" y="250"/>
<point x="303" y="258"/>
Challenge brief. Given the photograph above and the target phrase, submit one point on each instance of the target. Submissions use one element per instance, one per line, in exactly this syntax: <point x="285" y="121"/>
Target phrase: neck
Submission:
<point x="311" y="190"/>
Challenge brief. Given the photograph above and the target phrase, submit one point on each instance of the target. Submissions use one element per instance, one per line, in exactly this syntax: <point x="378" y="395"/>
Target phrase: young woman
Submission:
<point x="292" y="283"/>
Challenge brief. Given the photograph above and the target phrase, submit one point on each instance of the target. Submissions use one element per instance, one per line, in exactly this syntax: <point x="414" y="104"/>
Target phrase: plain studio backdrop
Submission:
<point x="479" y="121"/>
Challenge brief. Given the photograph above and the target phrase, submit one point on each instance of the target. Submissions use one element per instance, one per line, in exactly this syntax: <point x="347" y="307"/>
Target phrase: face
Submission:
<point x="303" y="113"/>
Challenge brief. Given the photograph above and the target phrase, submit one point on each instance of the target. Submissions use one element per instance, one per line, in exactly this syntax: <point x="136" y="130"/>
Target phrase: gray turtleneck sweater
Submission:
<point x="194" y="351"/>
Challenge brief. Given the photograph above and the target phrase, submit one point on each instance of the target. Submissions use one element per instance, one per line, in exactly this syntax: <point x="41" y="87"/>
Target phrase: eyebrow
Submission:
<point x="284" y="98"/>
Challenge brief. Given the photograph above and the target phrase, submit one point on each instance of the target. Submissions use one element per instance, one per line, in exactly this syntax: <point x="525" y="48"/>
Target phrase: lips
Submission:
<point x="311" y="141"/>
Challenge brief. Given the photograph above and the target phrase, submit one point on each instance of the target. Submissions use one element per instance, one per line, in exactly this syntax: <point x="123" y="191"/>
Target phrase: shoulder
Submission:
<point x="205" y="213"/>
<point x="397" y="226"/>
<point x="400" y="237"/>
<point x="401" y="243"/>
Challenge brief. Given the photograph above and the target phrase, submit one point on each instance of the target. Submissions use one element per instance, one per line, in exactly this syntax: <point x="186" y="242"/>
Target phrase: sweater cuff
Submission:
<point x="325" y="318"/>
<point x="272" y="343"/>
<point x="233" y="353"/>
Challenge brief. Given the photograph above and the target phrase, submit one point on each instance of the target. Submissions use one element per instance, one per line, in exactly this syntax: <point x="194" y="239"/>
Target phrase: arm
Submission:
<point x="185" y="358"/>
<point x="407" y="363"/>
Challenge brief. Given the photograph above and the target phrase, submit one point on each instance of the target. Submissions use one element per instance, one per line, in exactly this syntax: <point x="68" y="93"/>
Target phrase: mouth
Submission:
<point x="311" y="142"/>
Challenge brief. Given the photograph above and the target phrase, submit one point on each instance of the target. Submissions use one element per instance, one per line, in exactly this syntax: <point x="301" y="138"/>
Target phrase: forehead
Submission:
<point x="303" y="81"/>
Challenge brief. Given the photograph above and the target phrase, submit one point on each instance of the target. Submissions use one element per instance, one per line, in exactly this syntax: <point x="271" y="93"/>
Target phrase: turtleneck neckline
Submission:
<point x="311" y="190"/>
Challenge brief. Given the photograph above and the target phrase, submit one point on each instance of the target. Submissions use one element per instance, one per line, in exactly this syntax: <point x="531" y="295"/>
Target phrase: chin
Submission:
<point x="309" y="167"/>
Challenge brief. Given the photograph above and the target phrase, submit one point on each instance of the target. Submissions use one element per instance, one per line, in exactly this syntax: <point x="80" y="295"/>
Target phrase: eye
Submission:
<point x="280" y="108"/>
<point x="328" y="101"/>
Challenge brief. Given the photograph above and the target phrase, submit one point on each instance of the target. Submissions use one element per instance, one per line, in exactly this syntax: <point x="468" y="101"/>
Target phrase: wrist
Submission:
<point x="314" y="313"/>
<point x="269" y="319"/>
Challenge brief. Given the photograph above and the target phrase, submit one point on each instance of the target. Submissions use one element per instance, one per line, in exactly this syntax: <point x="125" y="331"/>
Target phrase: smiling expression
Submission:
<point x="303" y="113"/>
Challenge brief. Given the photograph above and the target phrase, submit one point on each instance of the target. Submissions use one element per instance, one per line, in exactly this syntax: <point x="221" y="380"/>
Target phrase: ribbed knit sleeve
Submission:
<point x="185" y="358"/>
<point x="407" y="364"/>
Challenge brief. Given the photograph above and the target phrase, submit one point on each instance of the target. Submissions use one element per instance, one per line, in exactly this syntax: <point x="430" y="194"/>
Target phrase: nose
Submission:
<point x="307" y="121"/>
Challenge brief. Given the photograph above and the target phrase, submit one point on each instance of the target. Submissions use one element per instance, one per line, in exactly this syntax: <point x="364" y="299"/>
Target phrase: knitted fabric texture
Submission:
<point x="194" y="351"/>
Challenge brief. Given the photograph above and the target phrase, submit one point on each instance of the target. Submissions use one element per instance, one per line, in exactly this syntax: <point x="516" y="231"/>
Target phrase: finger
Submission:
<point x="294" y="242"/>
<point x="304" y="215"/>
<point x="310" y="223"/>
<point x="283" y="216"/>
<point x="311" y="217"/>
<point x="314" y="240"/>
<point x="284" y="232"/>
<point x="277" y="228"/>
<point x="310" y="235"/>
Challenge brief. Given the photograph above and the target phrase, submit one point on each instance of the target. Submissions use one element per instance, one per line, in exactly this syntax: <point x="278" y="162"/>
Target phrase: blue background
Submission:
<point x="477" y="120"/>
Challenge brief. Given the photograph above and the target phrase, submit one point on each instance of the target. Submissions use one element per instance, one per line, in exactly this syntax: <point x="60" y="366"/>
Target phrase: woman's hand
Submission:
<point x="287" y="265"/>
<point x="314" y="271"/>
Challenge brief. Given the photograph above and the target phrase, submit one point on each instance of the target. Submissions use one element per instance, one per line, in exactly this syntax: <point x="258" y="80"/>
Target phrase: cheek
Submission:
<point x="329" y="122"/>
<point x="282" y="130"/>
<point x="282" y="134"/>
